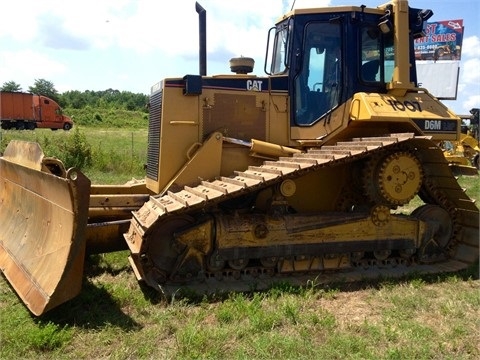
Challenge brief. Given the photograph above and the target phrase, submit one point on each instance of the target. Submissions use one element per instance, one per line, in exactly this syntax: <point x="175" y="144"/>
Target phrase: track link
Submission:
<point x="210" y="193"/>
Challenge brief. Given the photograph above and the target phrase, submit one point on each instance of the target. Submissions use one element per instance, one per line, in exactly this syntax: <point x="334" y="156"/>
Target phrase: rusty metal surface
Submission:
<point x="43" y="217"/>
<point x="24" y="153"/>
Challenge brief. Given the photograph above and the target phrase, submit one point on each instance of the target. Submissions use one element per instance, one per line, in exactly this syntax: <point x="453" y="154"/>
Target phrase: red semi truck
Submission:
<point x="28" y="111"/>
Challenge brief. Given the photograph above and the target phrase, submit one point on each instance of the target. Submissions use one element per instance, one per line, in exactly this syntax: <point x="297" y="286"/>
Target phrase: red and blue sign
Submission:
<point x="442" y="41"/>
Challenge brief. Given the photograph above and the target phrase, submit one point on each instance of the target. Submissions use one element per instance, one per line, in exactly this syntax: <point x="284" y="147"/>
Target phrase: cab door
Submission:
<point x="47" y="109"/>
<point x="317" y="79"/>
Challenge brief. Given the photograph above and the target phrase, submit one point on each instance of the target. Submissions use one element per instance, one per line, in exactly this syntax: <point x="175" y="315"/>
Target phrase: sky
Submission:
<point x="129" y="45"/>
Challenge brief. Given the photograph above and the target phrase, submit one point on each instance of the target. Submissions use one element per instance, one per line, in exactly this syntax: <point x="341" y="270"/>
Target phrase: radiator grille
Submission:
<point x="154" y="126"/>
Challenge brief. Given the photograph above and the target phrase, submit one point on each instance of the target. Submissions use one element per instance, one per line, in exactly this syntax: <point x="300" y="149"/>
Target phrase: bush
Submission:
<point x="78" y="150"/>
<point x="107" y="118"/>
<point x="73" y="150"/>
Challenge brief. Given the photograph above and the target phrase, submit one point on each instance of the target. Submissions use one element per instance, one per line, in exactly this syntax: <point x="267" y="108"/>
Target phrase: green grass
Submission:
<point x="415" y="319"/>
<point x="421" y="317"/>
<point x="117" y="155"/>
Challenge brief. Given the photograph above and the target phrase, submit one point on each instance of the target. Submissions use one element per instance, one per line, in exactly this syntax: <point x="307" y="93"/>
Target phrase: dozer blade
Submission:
<point x="43" y="221"/>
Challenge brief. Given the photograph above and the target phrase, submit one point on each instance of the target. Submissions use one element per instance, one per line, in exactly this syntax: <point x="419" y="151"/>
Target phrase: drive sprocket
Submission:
<point x="394" y="179"/>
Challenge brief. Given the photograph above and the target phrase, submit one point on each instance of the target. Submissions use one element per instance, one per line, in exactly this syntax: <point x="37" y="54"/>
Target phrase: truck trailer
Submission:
<point x="29" y="111"/>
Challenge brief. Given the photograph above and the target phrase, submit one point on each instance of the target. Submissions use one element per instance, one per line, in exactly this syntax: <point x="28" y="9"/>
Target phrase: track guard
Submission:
<point x="44" y="219"/>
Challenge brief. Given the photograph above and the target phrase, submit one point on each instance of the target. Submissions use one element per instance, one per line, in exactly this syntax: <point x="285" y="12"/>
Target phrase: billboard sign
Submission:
<point x="439" y="52"/>
<point x="442" y="41"/>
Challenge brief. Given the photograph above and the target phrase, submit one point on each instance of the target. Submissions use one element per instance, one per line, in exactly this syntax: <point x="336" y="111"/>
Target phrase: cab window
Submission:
<point x="377" y="61"/>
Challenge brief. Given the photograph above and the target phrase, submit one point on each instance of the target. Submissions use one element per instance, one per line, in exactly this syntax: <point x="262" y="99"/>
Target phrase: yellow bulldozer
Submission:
<point x="293" y="176"/>
<point x="464" y="154"/>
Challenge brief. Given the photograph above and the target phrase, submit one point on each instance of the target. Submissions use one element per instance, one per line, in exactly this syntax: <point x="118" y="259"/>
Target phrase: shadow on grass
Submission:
<point x="95" y="308"/>
<point x="470" y="273"/>
<point x="92" y="309"/>
<point x="187" y="296"/>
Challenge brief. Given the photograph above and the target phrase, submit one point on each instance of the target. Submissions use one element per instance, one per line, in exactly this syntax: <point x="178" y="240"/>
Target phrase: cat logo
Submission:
<point x="254" y="85"/>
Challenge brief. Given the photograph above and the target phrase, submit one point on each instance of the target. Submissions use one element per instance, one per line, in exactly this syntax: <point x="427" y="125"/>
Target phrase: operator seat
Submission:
<point x="369" y="70"/>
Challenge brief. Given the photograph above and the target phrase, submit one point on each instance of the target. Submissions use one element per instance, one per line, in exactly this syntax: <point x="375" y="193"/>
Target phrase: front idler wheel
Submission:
<point x="162" y="251"/>
<point x="438" y="234"/>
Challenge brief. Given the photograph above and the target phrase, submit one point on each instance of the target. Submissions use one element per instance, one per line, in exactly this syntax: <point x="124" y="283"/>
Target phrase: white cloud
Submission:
<point x="10" y="27"/>
<point x="44" y="67"/>
<point x="471" y="47"/>
<point x="473" y="101"/>
<point x="471" y="71"/>
<point x="173" y="28"/>
<point x="143" y="25"/>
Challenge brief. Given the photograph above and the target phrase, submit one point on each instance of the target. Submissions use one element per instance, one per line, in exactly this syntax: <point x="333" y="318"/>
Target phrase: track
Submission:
<point x="170" y="213"/>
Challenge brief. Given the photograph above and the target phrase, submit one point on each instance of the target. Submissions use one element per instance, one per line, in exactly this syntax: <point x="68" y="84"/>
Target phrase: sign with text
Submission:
<point x="442" y="41"/>
<point x="438" y="56"/>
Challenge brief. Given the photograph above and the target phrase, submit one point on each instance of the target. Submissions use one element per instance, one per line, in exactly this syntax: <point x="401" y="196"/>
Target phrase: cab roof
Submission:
<point x="330" y="9"/>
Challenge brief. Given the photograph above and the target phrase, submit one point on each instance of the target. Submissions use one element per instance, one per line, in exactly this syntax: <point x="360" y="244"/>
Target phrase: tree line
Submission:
<point x="110" y="98"/>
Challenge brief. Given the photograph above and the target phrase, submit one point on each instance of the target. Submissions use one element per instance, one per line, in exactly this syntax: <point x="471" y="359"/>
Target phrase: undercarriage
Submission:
<point x="280" y="222"/>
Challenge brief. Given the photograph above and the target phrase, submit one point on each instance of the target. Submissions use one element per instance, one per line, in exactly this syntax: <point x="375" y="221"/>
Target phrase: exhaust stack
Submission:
<point x="202" y="27"/>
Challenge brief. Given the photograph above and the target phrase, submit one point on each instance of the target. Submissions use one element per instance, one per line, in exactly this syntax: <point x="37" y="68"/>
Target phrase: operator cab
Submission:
<point x="329" y="55"/>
